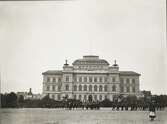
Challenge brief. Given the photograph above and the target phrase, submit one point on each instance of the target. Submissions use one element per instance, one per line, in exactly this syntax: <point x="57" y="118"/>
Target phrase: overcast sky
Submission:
<point x="39" y="36"/>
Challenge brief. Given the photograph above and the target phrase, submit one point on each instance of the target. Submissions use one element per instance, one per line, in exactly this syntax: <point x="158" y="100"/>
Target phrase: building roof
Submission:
<point x="52" y="72"/>
<point x="90" y="60"/>
<point x="126" y="73"/>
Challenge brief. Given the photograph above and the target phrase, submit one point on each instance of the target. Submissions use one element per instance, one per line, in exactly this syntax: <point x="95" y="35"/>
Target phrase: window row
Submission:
<point x="53" y="79"/>
<point x="92" y="79"/>
<point x="127" y="89"/>
<point x="90" y="88"/>
<point x="127" y="81"/>
<point x="53" y="88"/>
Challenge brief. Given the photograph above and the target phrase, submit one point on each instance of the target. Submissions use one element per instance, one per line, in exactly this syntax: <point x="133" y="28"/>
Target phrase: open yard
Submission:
<point x="61" y="116"/>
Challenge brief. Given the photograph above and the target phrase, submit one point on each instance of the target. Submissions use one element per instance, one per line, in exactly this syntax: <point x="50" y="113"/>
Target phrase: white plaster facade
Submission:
<point x="90" y="78"/>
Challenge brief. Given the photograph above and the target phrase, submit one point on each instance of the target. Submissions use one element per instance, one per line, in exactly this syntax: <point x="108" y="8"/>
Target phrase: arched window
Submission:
<point x="100" y="88"/>
<point x="85" y="97"/>
<point x="95" y="87"/>
<point x="105" y="96"/>
<point x="58" y="97"/>
<point x="95" y="97"/>
<point x="80" y="97"/>
<point x="85" y="88"/>
<point x="100" y="97"/>
<point x="105" y="88"/>
<point x="113" y="88"/>
<point x="80" y="87"/>
<point x="67" y="87"/>
<point x="75" y="88"/>
<point x="66" y="96"/>
<point x="74" y="96"/>
<point x="90" y="87"/>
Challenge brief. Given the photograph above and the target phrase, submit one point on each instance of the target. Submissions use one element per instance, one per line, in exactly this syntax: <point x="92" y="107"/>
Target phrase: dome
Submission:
<point x="90" y="60"/>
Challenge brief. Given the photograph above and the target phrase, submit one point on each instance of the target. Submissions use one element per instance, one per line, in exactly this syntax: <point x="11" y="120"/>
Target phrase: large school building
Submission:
<point x="90" y="78"/>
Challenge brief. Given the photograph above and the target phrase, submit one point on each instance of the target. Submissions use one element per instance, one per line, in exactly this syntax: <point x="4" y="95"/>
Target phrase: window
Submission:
<point x="127" y="80"/>
<point x="85" y="79"/>
<point x="75" y="88"/>
<point x="90" y="79"/>
<point x="74" y="96"/>
<point x="67" y="87"/>
<point x="113" y="88"/>
<point x="122" y="80"/>
<point x="105" y="79"/>
<point x="53" y="96"/>
<point x="100" y="79"/>
<point x="95" y="87"/>
<point x="80" y="97"/>
<point x="113" y="79"/>
<point x="100" y="97"/>
<point x="58" y="97"/>
<point x="53" y="88"/>
<point x="100" y="88"/>
<point x="48" y="79"/>
<point x="59" y="88"/>
<point x="95" y="79"/>
<point x="133" y="80"/>
<point x="59" y="79"/>
<point x="127" y="89"/>
<point x="85" y="97"/>
<point x="66" y="96"/>
<point x="80" y="79"/>
<point x="67" y="79"/>
<point x="95" y="97"/>
<point x="54" y="79"/>
<point x="85" y="88"/>
<point x="105" y="96"/>
<point x="90" y="87"/>
<point x="133" y="89"/>
<point x="121" y="88"/>
<point x="47" y="88"/>
<point x="80" y="87"/>
<point x="105" y="88"/>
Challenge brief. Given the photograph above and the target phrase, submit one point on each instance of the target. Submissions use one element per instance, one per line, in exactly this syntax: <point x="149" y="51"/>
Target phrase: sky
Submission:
<point x="40" y="36"/>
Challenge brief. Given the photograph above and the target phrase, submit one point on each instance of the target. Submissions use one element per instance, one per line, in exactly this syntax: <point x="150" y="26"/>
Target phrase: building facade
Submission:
<point x="90" y="78"/>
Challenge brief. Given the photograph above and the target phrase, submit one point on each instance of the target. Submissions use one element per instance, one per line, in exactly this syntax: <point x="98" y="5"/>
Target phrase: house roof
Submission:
<point x="126" y="73"/>
<point x="52" y="72"/>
